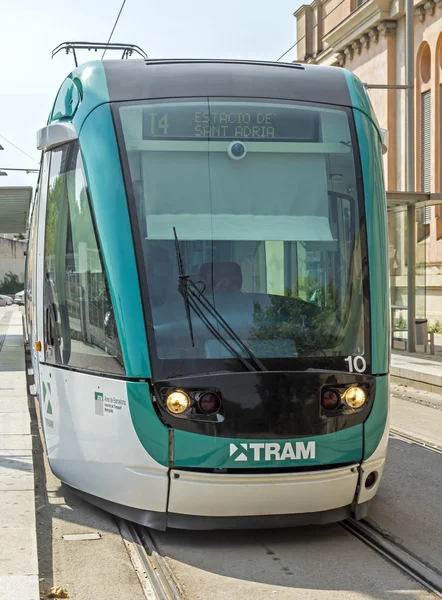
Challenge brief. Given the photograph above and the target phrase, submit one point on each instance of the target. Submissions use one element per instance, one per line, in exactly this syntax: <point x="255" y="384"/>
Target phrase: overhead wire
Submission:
<point x="113" y="28"/>
<point x="22" y="151"/>
<point x="291" y="48"/>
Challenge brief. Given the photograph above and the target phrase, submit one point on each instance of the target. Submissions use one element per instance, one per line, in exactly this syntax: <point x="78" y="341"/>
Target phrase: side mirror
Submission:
<point x="384" y="140"/>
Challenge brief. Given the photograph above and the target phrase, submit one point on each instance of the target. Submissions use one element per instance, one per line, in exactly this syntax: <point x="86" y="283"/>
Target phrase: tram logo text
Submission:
<point x="272" y="451"/>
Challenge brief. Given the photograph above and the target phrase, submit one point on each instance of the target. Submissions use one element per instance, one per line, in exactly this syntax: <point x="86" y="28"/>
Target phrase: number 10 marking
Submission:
<point x="358" y="364"/>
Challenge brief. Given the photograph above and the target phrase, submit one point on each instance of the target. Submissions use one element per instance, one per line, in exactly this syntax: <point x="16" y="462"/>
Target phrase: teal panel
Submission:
<point x="211" y="452"/>
<point x="374" y="426"/>
<point x="153" y="435"/>
<point x="67" y="101"/>
<point x="376" y="218"/>
<point x="105" y="180"/>
<point x="360" y="98"/>
<point x="90" y="81"/>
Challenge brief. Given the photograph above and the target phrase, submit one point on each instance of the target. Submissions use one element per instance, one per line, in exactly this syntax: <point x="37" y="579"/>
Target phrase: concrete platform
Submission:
<point x="416" y="421"/>
<point x="18" y="540"/>
<point x="417" y="371"/>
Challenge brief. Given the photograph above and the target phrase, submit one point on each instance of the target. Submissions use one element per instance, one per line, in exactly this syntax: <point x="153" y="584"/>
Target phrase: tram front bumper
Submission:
<point x="212" y="500"/>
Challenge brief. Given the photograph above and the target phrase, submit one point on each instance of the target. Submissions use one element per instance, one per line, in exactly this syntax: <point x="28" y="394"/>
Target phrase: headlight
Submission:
<point x="354" y="397"/>
<point x="177" y="402"/>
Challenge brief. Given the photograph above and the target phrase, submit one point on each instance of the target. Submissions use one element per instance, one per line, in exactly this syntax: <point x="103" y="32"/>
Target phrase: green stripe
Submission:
<point x="153" y="435"/>
<point x="376" y="218"/>
<point x="211" y="452"/>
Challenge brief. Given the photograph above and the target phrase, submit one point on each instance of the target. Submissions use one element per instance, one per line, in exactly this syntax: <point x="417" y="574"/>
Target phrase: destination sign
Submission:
<point x="230" y="122"/>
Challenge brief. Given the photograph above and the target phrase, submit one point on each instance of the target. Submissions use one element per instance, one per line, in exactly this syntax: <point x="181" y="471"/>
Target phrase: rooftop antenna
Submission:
<point x="127" y="49"/>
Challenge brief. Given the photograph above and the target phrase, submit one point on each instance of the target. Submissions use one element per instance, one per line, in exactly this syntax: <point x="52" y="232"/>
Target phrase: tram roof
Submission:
<point x="134" y="79"/>
<point x="98" y="82"/>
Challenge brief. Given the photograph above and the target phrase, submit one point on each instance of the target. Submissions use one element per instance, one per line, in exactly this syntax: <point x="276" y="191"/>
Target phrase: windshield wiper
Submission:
<point x="196" y="294"/>
<point x="182" y="286"/>
<point x="195" y="299"/>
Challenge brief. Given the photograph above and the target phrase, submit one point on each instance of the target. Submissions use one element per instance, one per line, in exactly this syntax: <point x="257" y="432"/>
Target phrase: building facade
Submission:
<point x="12" y="257"/>
<point x="368" y="37"/>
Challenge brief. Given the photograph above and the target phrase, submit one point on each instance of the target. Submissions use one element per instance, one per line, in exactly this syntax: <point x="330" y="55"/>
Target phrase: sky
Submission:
<point x="30" y="30"/>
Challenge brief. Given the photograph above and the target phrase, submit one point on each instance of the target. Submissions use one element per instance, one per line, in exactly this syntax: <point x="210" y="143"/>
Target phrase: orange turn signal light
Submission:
<point x="38" y="346"/>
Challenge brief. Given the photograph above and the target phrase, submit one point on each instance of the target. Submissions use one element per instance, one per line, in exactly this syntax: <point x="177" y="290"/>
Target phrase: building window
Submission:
<point x="80" y="329"/>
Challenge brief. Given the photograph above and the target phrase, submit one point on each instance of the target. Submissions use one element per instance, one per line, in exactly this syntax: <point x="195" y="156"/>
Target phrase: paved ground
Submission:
<point x="304" y="563"/>
<point x="18" y="544"/>
<point x="417" y="420"/>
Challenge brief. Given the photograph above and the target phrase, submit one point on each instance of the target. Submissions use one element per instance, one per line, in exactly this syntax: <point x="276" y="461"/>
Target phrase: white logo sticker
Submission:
<point x="260" y="451"/>
<point x="107" y="404"/>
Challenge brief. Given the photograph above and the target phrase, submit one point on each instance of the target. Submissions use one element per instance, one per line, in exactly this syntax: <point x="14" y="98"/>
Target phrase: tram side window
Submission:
<point x="80" y="327"/>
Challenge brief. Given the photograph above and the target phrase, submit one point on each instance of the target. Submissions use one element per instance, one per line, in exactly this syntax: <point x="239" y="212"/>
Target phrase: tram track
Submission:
<point x="153" y="567"/>
<point x="384" y="545"/>
<point x="153" y="571"/>
<point x="159" y="582"/>
<point x="407" y="562"/>
<point x="411" y="439"/>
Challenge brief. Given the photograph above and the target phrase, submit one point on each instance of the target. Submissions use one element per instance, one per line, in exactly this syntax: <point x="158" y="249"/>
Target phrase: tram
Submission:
<point x="207" y="292"/>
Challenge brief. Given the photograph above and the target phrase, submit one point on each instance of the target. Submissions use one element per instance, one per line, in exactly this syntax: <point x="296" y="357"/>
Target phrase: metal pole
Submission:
<point x="411" y="211"/>
<point x="25" y="170"/>
<point x="385" y="86"/>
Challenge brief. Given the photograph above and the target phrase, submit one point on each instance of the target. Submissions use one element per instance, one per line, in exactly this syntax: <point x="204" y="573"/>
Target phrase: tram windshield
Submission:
<point x="263" y="197"/>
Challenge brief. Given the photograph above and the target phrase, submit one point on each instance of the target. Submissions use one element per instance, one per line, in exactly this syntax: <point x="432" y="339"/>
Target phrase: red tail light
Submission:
<point x="209" y="403"/>
<point x="330" y="400"/>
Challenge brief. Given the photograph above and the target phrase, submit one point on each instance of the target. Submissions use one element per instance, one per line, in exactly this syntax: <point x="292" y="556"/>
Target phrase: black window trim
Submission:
<point x="174" y="366"/>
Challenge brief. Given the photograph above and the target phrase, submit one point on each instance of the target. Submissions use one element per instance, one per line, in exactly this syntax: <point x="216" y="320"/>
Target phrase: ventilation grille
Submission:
<point x="426" y="142"/>
<point x="427" y="214"/>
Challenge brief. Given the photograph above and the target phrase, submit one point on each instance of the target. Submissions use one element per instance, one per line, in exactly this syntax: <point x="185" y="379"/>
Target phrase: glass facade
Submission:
<point x="428" y="268"/>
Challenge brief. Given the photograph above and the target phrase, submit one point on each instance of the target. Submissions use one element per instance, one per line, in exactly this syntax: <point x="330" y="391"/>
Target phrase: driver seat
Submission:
<point x="221" y="277"/>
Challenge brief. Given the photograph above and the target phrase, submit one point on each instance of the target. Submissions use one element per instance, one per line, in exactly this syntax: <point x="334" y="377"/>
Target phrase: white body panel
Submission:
<point x="367" y="467"/>
<point x="92" y="444"/>
<point x="223" y="495"/>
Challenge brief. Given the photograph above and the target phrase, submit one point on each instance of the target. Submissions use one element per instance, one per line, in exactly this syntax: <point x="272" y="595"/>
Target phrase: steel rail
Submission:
<point x="407" y="562"/>
<point x="163" y="586"/>
<point x="411" y="439"/>
<point x="154" y="566"/>
<point x="385" y="546"/>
